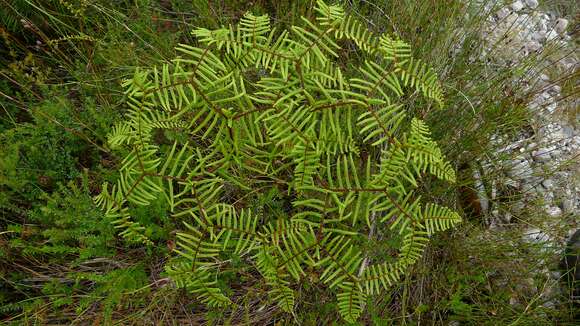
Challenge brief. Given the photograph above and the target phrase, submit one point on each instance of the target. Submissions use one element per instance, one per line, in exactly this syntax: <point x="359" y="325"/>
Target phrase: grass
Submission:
<point x="61" y="72"/>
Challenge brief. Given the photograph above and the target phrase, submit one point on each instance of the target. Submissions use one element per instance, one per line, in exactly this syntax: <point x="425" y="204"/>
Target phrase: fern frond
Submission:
<point x="351" y="300"/>
<point x="380" y="276"/>
<point x="425" y="154"/>
<point x="404" y="210"/>
<point x="378" y="124"/>
<point x="113" y="203"/>
<point x="280" y="291"/>
<point x="415" y="73"/>
<point x="243" y="225"/>
<point x="395" y="172"/>
<point x="438" y="218"/>
<point x="274" y="232"/>
<point x="197" y="247"/>
<point x="280" y="155"/>
<point x="414" y="242"/>
<point x="342" y="260"/>
<point x="394" y="50"/>
<point x="198" y="281"/>
<point x="293" y="252"/>
<point x="306" y="159"/>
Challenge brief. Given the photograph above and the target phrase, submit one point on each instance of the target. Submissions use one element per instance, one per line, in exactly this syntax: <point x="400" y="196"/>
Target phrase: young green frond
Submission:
<point x="351" y="300"/>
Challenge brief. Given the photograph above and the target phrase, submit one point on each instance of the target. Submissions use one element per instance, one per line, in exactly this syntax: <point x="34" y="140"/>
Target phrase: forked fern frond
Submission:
<point x="273" y="154"/>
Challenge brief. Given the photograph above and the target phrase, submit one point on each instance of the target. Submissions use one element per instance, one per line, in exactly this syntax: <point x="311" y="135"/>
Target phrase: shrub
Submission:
<point x="276" y="155"/>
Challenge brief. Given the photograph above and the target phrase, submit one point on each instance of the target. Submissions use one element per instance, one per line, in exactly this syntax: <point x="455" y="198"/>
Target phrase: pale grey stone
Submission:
<point x="517" y="6"/>
<point x="507" y="217"/>
<point x="568" y="205"/>
<point x="532" y="3"/>
<point x="551" y="108"/>
<point x="548" y="183"/>
<point x="551" y="35"/>
<point x="511" y="182"/>
<point x="554" y="211"/>
<point x="536" y="235"/>
<point x="561" y="25"/>
<point x="520" y="169"/>
<point x="542" y="154"/>
<point x="502" y="13"/>
<point x="539" y="36"/>
<point x="532" y="46"/>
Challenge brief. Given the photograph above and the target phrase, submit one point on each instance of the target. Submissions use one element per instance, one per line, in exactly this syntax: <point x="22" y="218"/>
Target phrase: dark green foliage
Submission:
<point x="111" y="290"/>
<point x="51" y="148"/>
<point x="53" y="159"/>
<point x="71" y="226"/>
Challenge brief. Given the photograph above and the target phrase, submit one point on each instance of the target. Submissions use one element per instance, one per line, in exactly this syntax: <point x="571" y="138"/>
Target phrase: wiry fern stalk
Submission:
<point x="253" y="110"/>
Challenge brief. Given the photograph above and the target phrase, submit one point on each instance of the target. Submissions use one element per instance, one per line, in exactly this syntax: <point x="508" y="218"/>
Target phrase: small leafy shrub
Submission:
<point x="36" y="154"/>
<point x="278" y="157"/>
<point x="71" y="226"/>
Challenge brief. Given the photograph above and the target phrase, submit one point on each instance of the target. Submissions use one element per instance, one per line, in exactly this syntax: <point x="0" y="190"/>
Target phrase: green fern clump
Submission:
<point x="253" y="111"/>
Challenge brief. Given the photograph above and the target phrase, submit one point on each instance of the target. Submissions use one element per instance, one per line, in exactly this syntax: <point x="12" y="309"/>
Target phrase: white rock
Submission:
<point x="543" y="25"/>
<point x="568" y="205"/>
<point x="546" y="95"/>
<point x="542" y="154"/>
<point x="558" y="135"/>
<point x="554" y="211"/>
<point x="553" y="132"/>
<point x="511" y="182"/>
<point x="502" y="13"/>
<point x="511" y="19"/>
<point x="517" y="6"/>
<point x="567" y="129"/>
<point x="539" y="36"/>
<point x="532" y="46"/>
<point x="551" y="35"/>
<point x="520" y="170"/>
<point x="517" y="207"/>
<point x="548" y="183"/>
<point x="561" y="25"/>
<point x="548" y="196"/>
<point x="536" y="235"/>
<point x="551" y="108"/>
<point x="532" y="3"/>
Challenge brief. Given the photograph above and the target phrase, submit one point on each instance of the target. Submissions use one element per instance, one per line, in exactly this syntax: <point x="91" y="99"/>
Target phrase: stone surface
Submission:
<point x="548" y="183"/>
<point x="536" y="235"/>
<point x="552" y="35"/>
<point x="520" y="169"/>
<point x="532" y="3"/>
<point x="539" y="36"/>
<point x="540" y="164"/>
<point x="561" y="25"/>
<point x="568" y="205"/>
<point x="542" y="154"/>
<point x="532" y="46"/>
<point x="554" y="211"/>
<point x="502" y="13"/>
<point x="517" y="6"/>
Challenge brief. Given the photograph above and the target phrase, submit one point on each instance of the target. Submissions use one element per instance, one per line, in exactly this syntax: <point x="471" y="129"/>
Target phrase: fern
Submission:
<point x="254" y="111"/>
